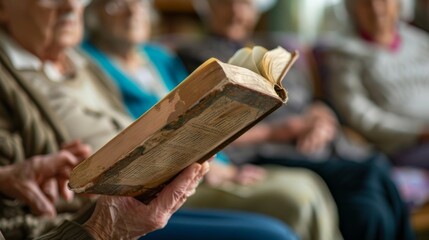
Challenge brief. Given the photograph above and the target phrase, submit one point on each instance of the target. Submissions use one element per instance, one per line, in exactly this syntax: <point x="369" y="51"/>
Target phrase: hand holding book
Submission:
<point x="211" y="108"/>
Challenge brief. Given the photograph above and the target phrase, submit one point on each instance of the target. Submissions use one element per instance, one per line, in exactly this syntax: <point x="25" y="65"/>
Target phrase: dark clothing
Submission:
<point x="217" y="224"/>
<point x="368" y="202"/>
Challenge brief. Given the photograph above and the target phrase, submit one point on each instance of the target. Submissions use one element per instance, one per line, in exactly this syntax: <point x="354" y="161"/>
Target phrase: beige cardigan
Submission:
<point x="28" y="127"/>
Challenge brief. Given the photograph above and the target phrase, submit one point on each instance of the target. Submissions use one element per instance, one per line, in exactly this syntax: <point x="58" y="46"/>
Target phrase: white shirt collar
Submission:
<point x="22" y="59"/>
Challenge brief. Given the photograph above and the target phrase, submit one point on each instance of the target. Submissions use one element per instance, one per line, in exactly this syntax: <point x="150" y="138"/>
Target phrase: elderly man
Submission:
<point x="46" y="87"/>
<point x="304" y="133"/>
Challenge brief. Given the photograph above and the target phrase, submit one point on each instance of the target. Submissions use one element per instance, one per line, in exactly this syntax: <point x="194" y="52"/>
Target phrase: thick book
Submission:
<point x="211" y="108"/>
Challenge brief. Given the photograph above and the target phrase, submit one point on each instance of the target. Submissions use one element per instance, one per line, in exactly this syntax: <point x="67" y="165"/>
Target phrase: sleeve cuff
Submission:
<point x="68" y="230"/>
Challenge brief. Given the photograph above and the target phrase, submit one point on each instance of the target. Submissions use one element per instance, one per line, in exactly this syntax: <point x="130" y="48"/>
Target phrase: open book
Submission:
<point x="211" y="108"/>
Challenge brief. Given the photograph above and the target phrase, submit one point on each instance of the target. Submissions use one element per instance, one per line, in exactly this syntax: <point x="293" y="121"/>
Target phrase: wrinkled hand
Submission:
<point x="320" y="131"/>
<point x="249" y="174"/>
<point x="127" y="218"/>
<point x="39" y="180"/>
<point x="245" y="175"/>
<point x="288" y="129"/>
<point x="81" y="152"/>
<point x="318" y="136"/>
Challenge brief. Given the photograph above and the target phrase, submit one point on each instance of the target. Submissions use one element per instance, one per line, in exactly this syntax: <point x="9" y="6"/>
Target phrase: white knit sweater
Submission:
<point x="383" y="94"/>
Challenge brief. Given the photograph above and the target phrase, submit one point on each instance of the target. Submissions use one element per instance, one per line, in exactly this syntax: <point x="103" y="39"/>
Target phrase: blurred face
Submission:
<point x="234" y="19"/>
<point x="124" y="21"/>
<point x="376" y="16"/>
<point x="43" y="25"/>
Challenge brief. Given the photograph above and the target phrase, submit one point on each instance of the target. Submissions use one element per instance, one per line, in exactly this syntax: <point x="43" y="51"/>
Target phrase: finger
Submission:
<point x="250" y="178"/>
<point x="65" y="192"/>
<point x="205" y="168"/>
<point x="179" y="203"/>
<point x="54" y="165"/>
<point x="64" y="158"/>
<point x="80" y="150"/>
<point x="174" y="192"/>
<point x="50" y="190"/>
<point x="302" y="144"/>
<point x="70" y="144"/>
<point x="65" y="172"/>
<point x="306" y="144"/>
<point x="212" y="158"/>
<point x="39" y="204"/>
<point x="314" y="144"/>
<point x="193" y="186"/>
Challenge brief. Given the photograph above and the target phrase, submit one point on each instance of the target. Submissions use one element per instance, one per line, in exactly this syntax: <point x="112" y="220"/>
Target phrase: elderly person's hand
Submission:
<point x="30" y="181"/>
<point x="80" y="151"/>
<point x="127" y="218"/>
<point x="247" y="174"/>
<point x="321" y="128"/>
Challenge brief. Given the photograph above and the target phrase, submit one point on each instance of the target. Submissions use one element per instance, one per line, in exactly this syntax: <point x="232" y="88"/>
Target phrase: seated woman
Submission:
<point x="379" y="79"/>
<point x="118" y="32"/>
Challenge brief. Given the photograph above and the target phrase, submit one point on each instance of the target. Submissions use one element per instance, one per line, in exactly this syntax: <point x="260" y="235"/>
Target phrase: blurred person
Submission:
<point x="379" y="80"/>
<point x="304" y="133"/>
<point x="380" y="86"/>
<point x="118" y="39"/>
<point x="421" y="15"/>
<point x="52" y="94"/>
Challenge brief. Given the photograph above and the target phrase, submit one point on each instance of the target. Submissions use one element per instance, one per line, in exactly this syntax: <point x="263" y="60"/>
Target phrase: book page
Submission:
<point x="272" y="65"/>
<point x="276" y="63"/>
<point x="246" y="58"/>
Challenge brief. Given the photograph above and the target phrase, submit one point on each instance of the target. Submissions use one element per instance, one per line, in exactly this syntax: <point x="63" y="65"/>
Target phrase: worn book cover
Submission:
<point x="207" y="111"/>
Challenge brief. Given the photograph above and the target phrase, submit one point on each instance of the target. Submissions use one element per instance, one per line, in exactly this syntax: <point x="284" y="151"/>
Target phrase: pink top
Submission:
<point x="394" y="45"/>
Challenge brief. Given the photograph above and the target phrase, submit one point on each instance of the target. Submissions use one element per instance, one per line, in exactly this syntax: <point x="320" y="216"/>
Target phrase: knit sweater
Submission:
<point x="381" y="93"/>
